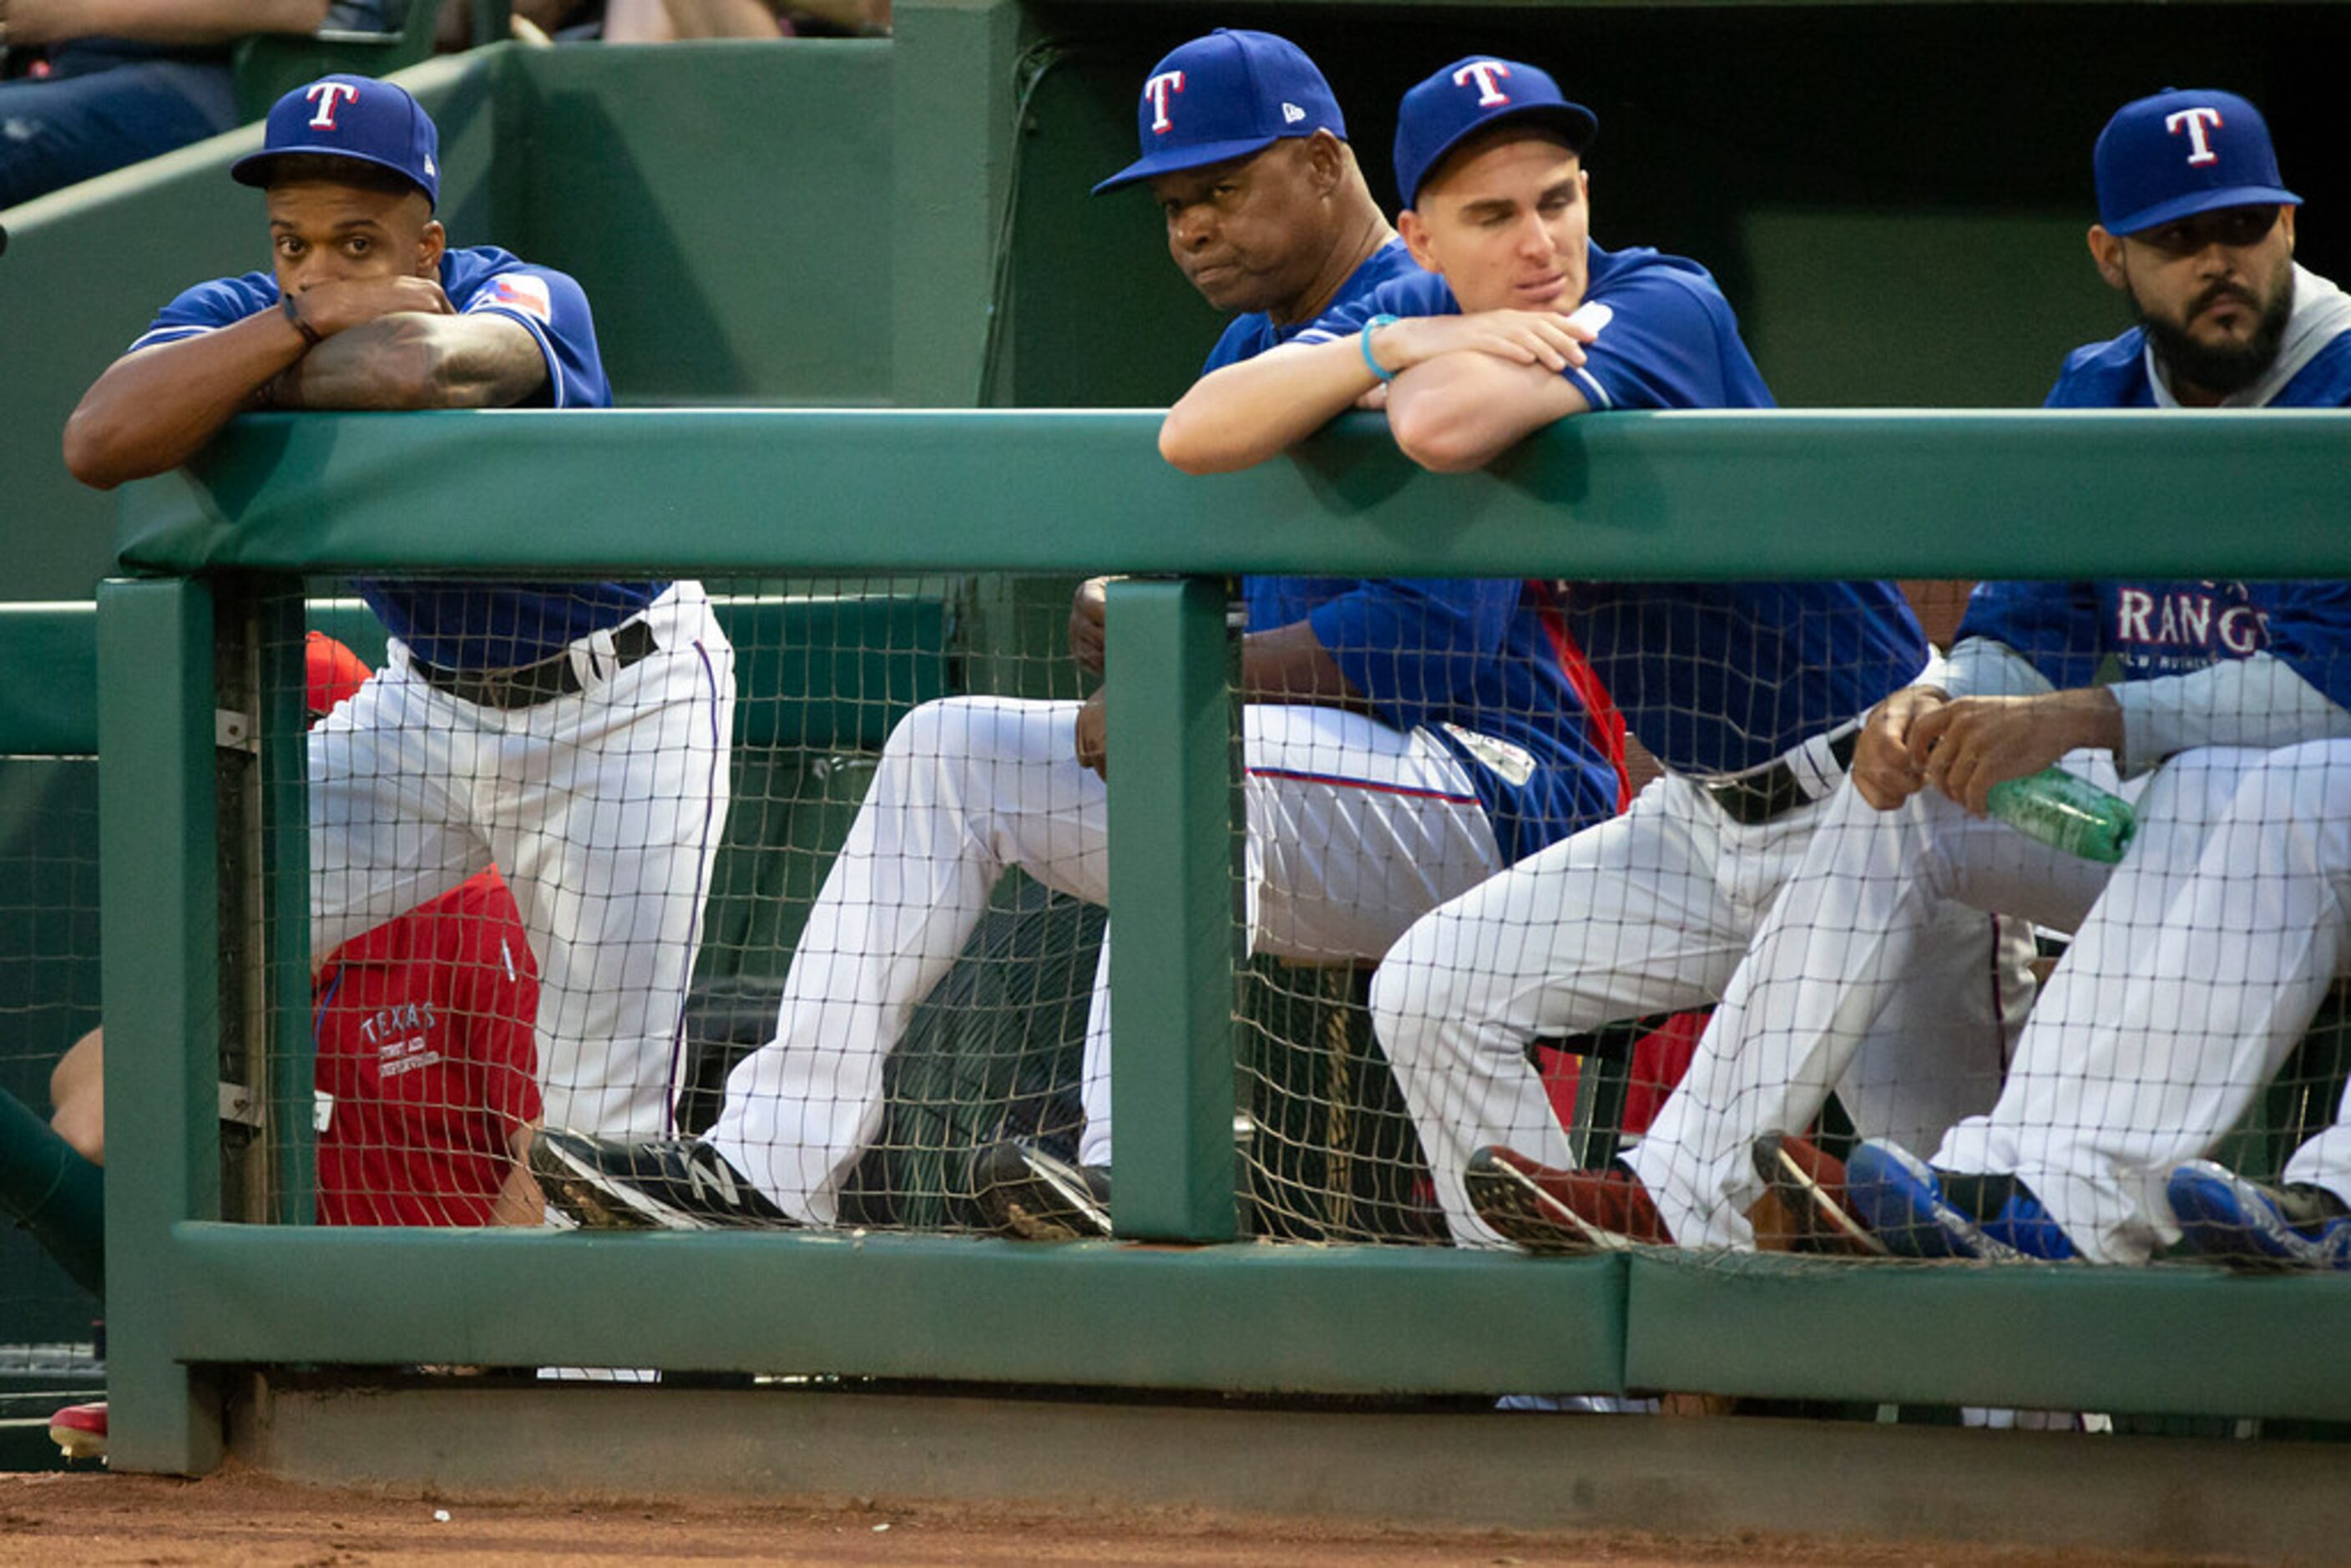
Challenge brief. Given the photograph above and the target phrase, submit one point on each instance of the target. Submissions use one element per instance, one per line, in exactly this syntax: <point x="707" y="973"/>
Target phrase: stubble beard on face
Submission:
<point x="2221" y="368"/>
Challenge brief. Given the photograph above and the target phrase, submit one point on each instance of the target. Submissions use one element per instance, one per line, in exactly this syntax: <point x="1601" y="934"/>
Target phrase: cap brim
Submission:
<point x="1574" y="121"/>
<point x="1176" y="159"/>
<point x="252" y="169"/>
<point x="2195" y="202"/>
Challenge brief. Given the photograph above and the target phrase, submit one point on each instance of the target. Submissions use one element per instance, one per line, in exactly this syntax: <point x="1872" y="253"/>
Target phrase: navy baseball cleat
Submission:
<point x="1036" y="1197"/>
<point x="666" y="1184"/>
<point x="2224" y="1215"/>
<point x="1810" y="1186"/>
<point x="1918" y="1211"/>
<point x="1555" y="1211"/>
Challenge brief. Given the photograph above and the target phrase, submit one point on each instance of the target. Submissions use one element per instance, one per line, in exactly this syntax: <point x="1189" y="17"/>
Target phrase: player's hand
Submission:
<point x="1545" y="337"/>
<point x="1969" y="745"/>
<point x="1884" y="772"/>
<point x="1375" y="401"/>
<point x="1093" y="735"/>
<point x="1087" y="607"/>
<point x="332" y="307"/>
<point x="519" y="1200"/>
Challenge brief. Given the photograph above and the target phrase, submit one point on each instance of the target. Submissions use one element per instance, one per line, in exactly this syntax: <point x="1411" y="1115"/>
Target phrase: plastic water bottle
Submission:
<point x="2066" y="813"/>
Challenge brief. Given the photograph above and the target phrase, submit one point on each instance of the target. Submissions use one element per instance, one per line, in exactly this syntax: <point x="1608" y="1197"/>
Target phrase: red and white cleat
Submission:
<point x="80" y="1431"/>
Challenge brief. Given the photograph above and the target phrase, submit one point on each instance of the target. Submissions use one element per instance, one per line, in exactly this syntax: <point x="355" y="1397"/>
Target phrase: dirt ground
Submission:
<point x="242" y="1518"/>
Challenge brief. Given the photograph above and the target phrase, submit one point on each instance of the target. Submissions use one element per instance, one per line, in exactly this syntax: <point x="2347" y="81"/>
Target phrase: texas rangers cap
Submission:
<point x="334" y="672"/>
<point x="352" y="117"/>
<point x="1466" y="97"/>
<point x="1231" y="94"/>
<point x="2184" y="151"/>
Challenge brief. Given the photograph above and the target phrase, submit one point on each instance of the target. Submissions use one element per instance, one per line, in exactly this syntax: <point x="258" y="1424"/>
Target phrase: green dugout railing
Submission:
<point x="1687" y="495"/>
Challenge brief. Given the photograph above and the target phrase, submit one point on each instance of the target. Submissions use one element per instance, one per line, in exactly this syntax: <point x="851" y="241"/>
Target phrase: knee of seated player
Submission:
<point x="81" y="1122"/>
<point x="1418" y="987"/>
<point x="77" y="1090"/>
<point x="2310" y="783"/>
<point x="943" y="730"/>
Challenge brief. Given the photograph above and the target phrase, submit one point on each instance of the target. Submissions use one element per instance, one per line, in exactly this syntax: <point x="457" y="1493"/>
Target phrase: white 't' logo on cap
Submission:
<point x="2197" y="121"/>
<point x="1158" y="90"/>
<point x="1486" y="73"/>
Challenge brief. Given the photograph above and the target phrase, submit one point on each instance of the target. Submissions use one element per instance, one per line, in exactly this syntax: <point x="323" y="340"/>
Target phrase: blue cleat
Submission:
<point x="1918" y="1211"/>
<point x="2226" y="1216"/>
<point x="2020" y="1223"/>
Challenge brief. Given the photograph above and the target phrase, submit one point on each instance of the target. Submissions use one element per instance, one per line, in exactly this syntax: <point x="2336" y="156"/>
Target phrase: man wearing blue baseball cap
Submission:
<point x="1403" y="740"/>
<point x="1749" y="694"/>
<point x="2178" y="996"/>
<point x="2196" y="227"/>
<point x="613" y="699"/>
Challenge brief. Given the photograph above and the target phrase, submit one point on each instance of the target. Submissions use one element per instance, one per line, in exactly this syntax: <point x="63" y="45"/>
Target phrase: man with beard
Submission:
<point x="2195" y="227"/>
<point x="2112" y="1084"/>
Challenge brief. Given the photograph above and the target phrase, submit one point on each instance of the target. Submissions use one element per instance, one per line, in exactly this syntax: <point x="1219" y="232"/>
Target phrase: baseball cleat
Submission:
<point x="1029" y="1194"/>
<point x="1555" y="1211"/>
<point x="2224" y="1215"/>
<point x="79" y="1431"/>
<point x="666" y="1184"/>
<point x="1810" y="1186"/>
<point x="1919" y="1211"/>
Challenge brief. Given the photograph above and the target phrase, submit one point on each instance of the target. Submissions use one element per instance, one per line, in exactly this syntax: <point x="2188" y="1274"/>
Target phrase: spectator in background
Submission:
<point x="86" y="87"/>
<point x="663" y="21"/>
<point x="671" y="21"/>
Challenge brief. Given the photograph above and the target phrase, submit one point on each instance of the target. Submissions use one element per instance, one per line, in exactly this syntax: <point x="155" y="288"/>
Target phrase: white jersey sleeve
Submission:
<point x="2261" y="701"/>
<point x="1986" y="667"/>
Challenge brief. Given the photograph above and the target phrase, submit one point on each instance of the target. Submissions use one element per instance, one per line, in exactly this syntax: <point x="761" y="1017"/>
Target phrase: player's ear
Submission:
<point x="2285" y="217"/>
<point x="1326" y="162"/>
<point x="1413" y="231"/>
<point x="430" y="244"/>
<point x="2107" y="250"/>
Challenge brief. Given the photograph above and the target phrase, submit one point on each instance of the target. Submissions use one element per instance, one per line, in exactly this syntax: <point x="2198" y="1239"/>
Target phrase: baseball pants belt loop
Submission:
<point x="531" y="684"/>
<point x="1807" y="773"/>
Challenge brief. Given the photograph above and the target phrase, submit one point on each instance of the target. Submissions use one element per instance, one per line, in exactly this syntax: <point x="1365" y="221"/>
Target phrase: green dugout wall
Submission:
<point x="1722" y="496"/>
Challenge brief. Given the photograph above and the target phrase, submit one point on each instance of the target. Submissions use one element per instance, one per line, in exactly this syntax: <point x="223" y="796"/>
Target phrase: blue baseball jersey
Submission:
<point x="1469" y="660"/>
<point x="469" y="625"/>
<point x="2115" y="375"/>
<point x="1713" y="678"/>
<point x="2078" y="632"/>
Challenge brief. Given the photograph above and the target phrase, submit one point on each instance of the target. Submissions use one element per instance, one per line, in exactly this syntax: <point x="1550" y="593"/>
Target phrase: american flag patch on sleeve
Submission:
<point x="516" y="291"/>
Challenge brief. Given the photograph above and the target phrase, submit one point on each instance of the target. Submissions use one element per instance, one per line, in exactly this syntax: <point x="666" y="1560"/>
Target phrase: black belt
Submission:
<point x="533" y="684"/>
<point x="1774" y="791"/>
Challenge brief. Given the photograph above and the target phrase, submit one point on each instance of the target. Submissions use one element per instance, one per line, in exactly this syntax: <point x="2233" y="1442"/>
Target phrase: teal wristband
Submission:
<point x="1370" y="327"/>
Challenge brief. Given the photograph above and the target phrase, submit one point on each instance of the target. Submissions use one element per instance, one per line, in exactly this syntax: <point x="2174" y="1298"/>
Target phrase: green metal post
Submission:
<point x="1173" y="896"/>
<point x="953" y="144"/>
<point x="286" y="897"/>
<point x="158" y="821"/>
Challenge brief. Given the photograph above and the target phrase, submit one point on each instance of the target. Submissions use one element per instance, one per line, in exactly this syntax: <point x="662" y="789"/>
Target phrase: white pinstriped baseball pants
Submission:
<point x="1336" y="866"/>
<point x="603" y="811"/>
<point x="1653" y="912"/>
